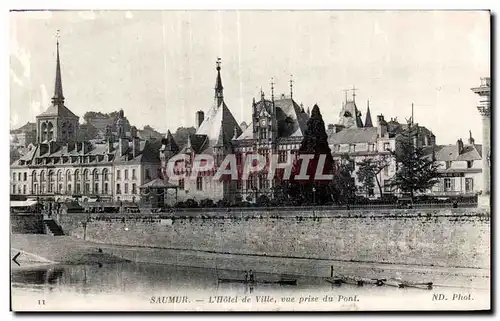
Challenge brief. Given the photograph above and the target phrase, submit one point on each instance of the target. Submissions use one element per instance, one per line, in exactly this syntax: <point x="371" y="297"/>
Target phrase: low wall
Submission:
<point x="23" y="223"/>
<point x="450" y="238"/>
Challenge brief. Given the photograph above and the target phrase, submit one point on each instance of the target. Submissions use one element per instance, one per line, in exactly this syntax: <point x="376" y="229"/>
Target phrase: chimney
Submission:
<point x="282" y="96"/>
<point x="381" y="126"/>
<point x="123" y="145"/>
<point x="460" y="146"/>
<point x="200" y="117"/>
<point x="471" y="139"/>
<point x="136" y="146"/>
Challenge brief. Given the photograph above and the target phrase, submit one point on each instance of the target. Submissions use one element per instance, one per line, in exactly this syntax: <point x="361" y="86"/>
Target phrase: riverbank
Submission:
<point x="70" y="250"/>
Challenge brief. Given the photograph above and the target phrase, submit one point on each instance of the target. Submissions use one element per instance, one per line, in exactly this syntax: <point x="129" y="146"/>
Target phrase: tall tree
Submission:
<point x="314" y="142"/>
<point x="343" y="184"/>
<point x="417" y="171"/>
<point x="368" y="170"/>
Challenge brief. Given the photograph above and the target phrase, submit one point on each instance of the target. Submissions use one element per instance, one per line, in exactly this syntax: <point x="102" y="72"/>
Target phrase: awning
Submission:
<point x="23" y="203"/>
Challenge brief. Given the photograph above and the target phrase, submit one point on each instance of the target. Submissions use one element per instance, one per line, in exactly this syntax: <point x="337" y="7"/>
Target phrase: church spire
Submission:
<point x="58" y="98"/>
<point x="219" y="90"/>
<point x="368" y="119"/>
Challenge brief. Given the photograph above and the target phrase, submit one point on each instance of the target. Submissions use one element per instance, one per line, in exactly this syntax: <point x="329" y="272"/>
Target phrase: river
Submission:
<point x="154" y="287"/>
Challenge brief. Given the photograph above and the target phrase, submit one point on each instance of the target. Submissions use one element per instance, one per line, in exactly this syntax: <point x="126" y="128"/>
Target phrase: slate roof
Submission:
<point x="219" y="125"/>
<point x="353" y="136"/>
<point x="290" y="118"/>
<point x="58" y="110"/>
<point x="450" y="152"/>
<point x="158" y="183"/>
<point x="354" y="120"/>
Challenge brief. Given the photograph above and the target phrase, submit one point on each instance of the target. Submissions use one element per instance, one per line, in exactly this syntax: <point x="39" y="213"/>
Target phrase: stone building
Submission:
<point x="460" y="168"/>
<point x="358" y="140"/>
<point x="23" y="136"/>
<point x="277" y="127"/>
<point x="59" y="166"/>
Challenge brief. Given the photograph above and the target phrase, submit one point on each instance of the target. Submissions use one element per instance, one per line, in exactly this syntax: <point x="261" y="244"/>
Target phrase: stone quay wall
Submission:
<point x="26" y="223"/>
<point x="441" y="237"/>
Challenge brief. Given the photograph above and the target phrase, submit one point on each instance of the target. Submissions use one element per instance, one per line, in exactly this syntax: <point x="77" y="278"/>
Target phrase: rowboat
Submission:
<point x="280" y="282"/>
<point x="360" y="281"/>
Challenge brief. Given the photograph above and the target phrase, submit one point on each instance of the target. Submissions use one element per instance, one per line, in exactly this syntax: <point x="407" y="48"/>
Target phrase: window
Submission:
<point x="282" y="156"/>
<point x="470" y="164"/>
<point x="386" y="171"/>
<point x="87" y="188"/>
<point x="35" y="189"/>
<point x="126" y="173"/>
<point x="78" y="190"/>
<point x="86" y="175"/>
<point x="448" y="164"/>
<point x="181" y="183"/>
<point x="105" y="190"/>
<point x="469" y="184"/>
<point x="133" y="174"/>
<point x="199" y="183"/>
<point x="96" y="175"/>
<point x="68" y="175"/>
<point x="387" y="146"/>
<point x="147" y="175"/>
<point x="118" y="190"/>
<point x="25" y="176"/>
<point x="118" y="174"/>
<point x="51" y="188"/>
<point x="69" y="188"/>
<point x="59" y="176"/>
<point x="60" y="187"/>
<point x="105" y="174"/>
<point x="447" y="184"/>
<point x="263" y="134"/>
<point x="24" y="189"/>
<point x="125" y="189"/>
<point x="33" y="176"/>
<point x="77" y="176"/>
<point x="387" y="186"/>
<point x="14" y="189"/>
<point x="19" y="177"/>
<point x="96" y="188"/>
<point x="134" y="189"/>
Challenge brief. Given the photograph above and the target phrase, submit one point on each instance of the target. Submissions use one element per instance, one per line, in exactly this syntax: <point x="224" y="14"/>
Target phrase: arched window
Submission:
<point x="68" y="175"/>
<point x="43" y="130"/>
<point x="33" y="176"/>
<point x="42" y="176"/>
<point x="50" y="132"/>
<point x="105" y="174"/>
<point x="59" y="175"/>
<point x="86" y="175"/>
<point x="77" y="175"/>
<point x="95" y="174"/>
<point x="51" y="176"/>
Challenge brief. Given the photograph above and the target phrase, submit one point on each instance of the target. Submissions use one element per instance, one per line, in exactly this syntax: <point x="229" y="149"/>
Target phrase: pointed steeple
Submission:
<point x="170" y="143"/>
<point x="58" y="98"/>
<point x="219" y="90"/>
<point x="368" y="119"/>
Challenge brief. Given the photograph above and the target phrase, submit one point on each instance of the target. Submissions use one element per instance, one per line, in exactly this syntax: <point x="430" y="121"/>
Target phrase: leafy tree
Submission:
<point x="14" y="154"/>
<point x="343" y="185"/>
<point x="417" y="171"/>
<point x="368" y="171"/>
<point x="182" y="133"/>
<point x="314" y="142"/>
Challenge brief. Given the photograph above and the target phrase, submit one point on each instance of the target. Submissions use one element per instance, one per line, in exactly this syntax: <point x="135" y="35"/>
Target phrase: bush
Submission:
<point x="207" y="203"/>
<point x="191" y="203"/>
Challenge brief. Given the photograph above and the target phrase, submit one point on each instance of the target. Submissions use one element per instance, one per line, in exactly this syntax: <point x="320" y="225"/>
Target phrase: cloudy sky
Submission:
<point x="159" y="67"/>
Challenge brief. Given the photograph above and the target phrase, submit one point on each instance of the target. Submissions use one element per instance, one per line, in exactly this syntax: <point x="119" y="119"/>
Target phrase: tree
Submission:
<point x="417" y="171"/>
<point x="343" y="185"/>
<point x="182" y="133"/>
<point x="14" y="154"/>
<point x="368" y="171"/>
<point x="314" y="142"/>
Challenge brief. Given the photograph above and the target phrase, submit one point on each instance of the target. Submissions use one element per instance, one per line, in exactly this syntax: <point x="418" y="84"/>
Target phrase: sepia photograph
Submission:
<point x="250" y="160"/>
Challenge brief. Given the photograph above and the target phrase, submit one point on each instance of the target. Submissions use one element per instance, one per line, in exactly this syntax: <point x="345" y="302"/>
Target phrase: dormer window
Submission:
<point x="347" y="114"/>
<point x="470" y="164"/>
<point x="448" y="164"/>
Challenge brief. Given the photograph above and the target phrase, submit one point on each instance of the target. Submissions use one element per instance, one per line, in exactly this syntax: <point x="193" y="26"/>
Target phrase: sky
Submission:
<point x="159" y="66"/>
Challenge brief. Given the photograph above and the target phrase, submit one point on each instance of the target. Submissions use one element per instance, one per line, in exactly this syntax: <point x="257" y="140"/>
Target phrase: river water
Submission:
<point x="153" y="287"/>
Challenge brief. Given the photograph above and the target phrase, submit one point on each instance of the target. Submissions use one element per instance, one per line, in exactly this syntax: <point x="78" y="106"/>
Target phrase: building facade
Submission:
<point x="59" y="166"/>
<point x="277" y="128"/>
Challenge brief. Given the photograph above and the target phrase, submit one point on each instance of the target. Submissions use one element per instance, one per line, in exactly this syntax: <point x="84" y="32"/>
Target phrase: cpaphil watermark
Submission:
<point x="304" y="167"/>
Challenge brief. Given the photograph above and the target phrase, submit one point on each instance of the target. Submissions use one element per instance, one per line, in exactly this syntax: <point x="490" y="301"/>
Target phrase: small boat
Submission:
<point x="360" y="281"/>
<point x="334" y="281"/>
<point x="280" y="282"/>
<point x="408" y="284"/>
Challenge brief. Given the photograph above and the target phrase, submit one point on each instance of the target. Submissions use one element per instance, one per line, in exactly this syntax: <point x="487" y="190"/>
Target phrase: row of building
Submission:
<point x="121" y="166"/>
